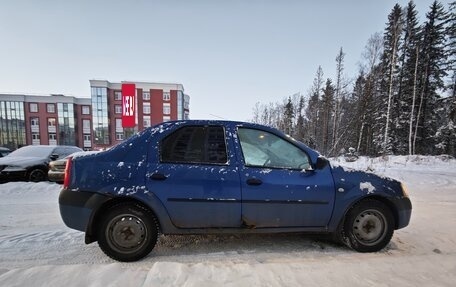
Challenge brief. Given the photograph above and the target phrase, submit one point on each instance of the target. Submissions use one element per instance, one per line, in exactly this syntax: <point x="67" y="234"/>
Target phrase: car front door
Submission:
<point x="279" y="188"/>
<point x="195" y="179"/>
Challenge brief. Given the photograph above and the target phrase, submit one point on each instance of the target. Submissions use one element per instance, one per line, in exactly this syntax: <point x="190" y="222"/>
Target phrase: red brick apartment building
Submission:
<point x="90" y="123"/>
<point x="46" y="120"/>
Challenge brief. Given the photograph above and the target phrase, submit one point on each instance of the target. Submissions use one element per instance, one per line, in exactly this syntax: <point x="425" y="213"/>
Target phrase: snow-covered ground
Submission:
<point x="36" y="249"/>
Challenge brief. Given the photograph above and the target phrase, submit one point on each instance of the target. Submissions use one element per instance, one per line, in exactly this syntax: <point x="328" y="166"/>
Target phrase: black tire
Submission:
<point x="128" y="232"/>
<point x="368" y="226"/>
<point x="37" y="175"/>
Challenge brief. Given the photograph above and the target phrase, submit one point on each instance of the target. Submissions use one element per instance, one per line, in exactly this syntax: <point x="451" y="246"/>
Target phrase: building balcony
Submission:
<point x="52" y="142"/>
<point x="86" y="131"/>
<point x="87" y="144"/>
<point x="52" y="129"/>
<point x="35" y="129"/>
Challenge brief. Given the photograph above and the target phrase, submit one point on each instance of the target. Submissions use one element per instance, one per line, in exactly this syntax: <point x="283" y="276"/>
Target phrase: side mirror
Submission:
<point x="54" y="156"/>
<point x="321" y="163"/>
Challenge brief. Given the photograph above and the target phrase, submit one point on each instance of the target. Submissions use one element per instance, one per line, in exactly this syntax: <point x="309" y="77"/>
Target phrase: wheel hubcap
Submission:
<point x="370" y="227"/>
<point x="36" y="175"/>
<point x="126" y="233"/>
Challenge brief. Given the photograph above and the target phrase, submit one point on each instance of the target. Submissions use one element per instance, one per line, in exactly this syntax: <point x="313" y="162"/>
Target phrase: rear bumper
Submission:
<point x="77" y="207"/>
<point x="56" y="176"/>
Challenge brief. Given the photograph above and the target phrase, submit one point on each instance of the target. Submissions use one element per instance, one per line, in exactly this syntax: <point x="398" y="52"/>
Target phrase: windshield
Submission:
<point x="33" y="151"/>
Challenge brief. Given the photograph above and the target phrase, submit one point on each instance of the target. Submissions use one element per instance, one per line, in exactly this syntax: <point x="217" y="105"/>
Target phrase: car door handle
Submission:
<point x="158" y="176"/>
<point x="254" y="181"/>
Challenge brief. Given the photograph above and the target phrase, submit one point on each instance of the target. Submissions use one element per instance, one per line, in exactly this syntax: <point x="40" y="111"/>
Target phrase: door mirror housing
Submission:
<point x="54" y="156"/>
<point x="321" y="163"/>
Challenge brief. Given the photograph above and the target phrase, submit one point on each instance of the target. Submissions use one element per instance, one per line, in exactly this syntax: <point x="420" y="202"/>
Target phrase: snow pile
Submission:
<point x="36" y="249"/>
<point x="402" y="162"/>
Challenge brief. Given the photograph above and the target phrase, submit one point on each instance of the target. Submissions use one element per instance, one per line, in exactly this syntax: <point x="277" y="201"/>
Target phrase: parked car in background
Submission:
<point x="57" y="170"/>
<point x="31" y="162"/>
<point x="199" y="177"/>
<point x="4" y="151"/>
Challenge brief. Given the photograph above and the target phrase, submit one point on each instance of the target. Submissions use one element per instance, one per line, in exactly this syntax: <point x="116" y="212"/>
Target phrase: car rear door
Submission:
<point x="276" y="191"/>
<point x="195" y="180"/>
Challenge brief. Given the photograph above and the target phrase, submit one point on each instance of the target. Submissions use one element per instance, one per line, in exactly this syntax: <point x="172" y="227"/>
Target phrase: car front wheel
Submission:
<point x="36" y="175"/>
<point x="128" y="232"/>
<point x="369" y="226"/>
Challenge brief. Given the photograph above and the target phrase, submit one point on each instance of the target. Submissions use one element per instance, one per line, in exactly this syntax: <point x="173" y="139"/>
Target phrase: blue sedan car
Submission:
<point x="199" y="177"/>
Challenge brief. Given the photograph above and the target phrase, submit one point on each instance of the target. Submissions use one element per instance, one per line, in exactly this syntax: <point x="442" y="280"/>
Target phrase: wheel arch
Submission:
<point x="44" y="168"/>
<point x="379" y="198"/>
<point x="95" y="220"/>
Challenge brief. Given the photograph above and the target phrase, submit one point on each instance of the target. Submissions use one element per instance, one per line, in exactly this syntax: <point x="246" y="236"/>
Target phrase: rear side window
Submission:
<point x="195" y="144"/>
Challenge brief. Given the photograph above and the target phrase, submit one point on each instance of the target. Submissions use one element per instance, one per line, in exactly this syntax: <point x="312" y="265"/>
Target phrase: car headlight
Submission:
<point x="404" y="190"/>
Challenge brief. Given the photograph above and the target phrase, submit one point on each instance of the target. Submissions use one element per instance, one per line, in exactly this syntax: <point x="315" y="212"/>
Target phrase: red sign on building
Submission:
<point x="128" y="105"/>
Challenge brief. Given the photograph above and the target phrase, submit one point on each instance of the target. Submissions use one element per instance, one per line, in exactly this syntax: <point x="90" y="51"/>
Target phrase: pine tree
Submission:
<point x="446" y="132"/>
<point x="405" y="100"/>
<point x="300" y="134"/>
<point x="312" y="112"/>
<point x="367" y="95"/>
<point x="338" y="97"/>
<point x="392" y="38"/>
<point x="326" y="110"/>
<point x="432" y="71"/>
<point x="288" y="117"/>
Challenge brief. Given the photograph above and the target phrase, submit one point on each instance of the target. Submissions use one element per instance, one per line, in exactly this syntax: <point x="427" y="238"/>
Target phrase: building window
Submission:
<point x="87" y="138"/>
<point x="146" y="121"/>
<point x="166" y="118"/>
<point x="166" y="96"/>
<point x="52" y="137"/>
<point x="100" y="120"/>
<point x="35" y="122"/>
<point x="35" y="139"/>
<point x="146" y="96"/>
<point x="12" y="124"/>
<point x="119" y="136"/>
<point x="146" y="108"/>
<point x="117" y="95"/>
<point x="85" y="110"/>
<point x="51" y="122"/>
<point x="33" y="107"/>
<point x="186" y="102"/>
<point x="86" y="126"/>
<point x="50" y="108"/>
<point x="166" y="109"/>
<point x="119" y="128"/>
<point x="118" y="109"/>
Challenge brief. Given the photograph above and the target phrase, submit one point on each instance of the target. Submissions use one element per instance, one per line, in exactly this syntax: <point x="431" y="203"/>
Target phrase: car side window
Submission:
<point x="264" y="149"/>
<point x="195" y="144"/>
<point x="61" y="151"/>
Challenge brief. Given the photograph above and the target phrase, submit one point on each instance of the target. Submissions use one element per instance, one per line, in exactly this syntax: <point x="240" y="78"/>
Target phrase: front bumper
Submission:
<point x="15" y="175"/>
<point x="77" y="207"/>
<point x="404" y="211"/>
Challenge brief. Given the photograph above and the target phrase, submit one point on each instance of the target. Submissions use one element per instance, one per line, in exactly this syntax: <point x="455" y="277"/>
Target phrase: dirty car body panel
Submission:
<point x="218" y="177"/>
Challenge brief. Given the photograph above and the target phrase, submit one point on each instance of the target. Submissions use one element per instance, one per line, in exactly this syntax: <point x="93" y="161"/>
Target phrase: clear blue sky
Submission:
<point x="227" y="54"/>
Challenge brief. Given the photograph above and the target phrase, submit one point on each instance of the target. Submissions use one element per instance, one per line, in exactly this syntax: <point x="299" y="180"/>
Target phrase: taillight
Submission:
<point x="66" y="180"/>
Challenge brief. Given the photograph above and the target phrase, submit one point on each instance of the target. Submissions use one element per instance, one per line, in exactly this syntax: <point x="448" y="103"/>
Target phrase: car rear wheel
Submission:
<point x="128" y="232"/>
<point x="369" y="226"/>
<point x="36" y="175"/>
